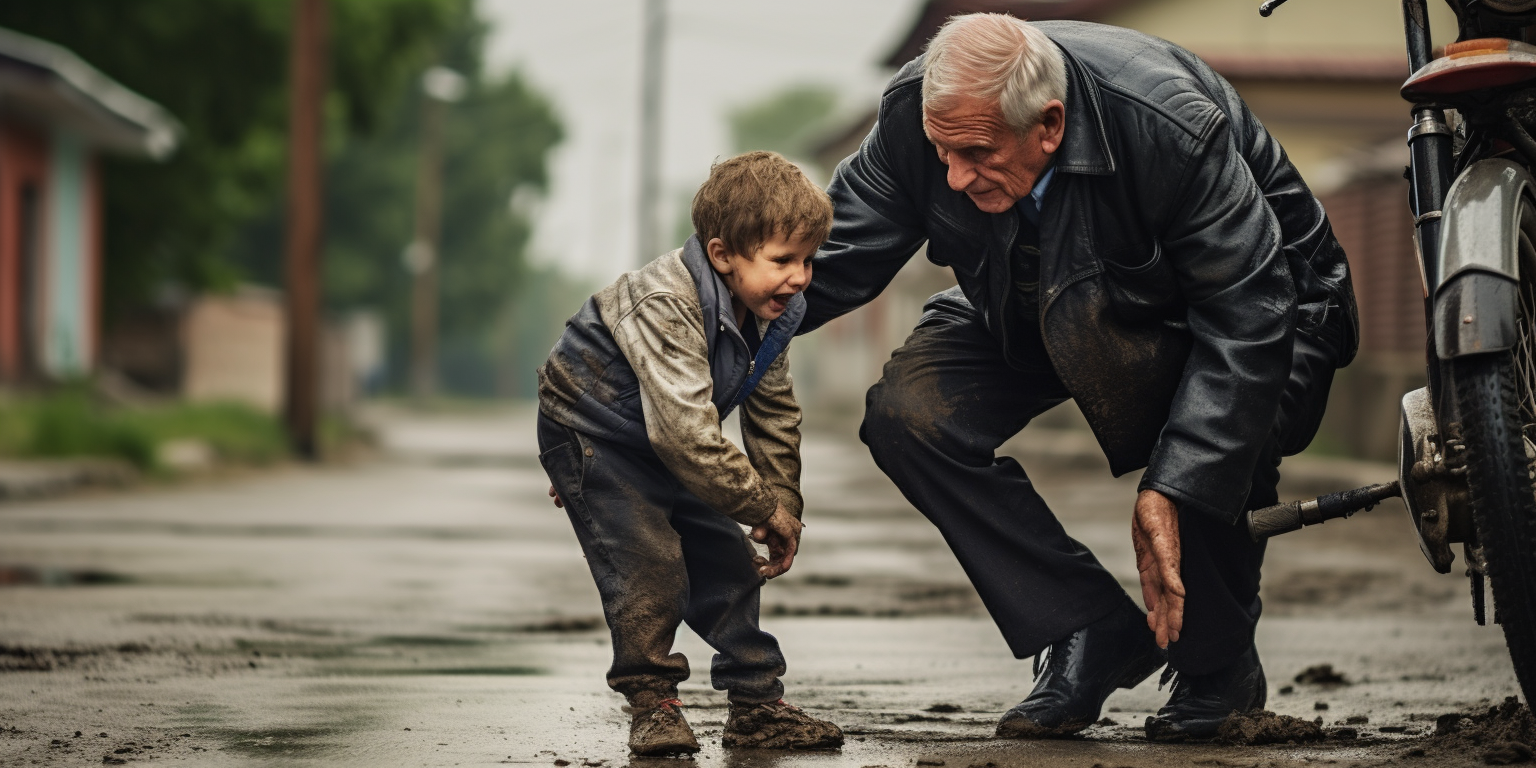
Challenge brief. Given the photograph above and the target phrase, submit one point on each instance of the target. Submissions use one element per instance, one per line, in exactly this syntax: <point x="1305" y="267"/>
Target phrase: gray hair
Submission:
<point x="996" y="57"/>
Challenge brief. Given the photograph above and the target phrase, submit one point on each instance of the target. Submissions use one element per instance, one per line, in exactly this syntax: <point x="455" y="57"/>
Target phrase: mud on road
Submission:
<point x="432" y="608"/>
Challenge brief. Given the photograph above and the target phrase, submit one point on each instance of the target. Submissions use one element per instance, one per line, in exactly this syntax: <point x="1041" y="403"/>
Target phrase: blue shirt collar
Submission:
<point x="1037" y="195"/>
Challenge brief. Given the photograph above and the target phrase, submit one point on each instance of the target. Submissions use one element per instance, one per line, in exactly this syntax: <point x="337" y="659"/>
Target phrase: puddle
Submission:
<point x="431" y="641"/>
<point x="508" y="671"/>
<point x="27" y="576"/>
<point x="564" y="624"/>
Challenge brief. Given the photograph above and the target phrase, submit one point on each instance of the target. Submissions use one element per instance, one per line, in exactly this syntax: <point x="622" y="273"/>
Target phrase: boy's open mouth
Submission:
<point x="780" y="301"/>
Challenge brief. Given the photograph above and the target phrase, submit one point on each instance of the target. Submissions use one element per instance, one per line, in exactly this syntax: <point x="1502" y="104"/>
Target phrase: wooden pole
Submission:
<point x="307" y="85"/>
<point x="423" y="260"/>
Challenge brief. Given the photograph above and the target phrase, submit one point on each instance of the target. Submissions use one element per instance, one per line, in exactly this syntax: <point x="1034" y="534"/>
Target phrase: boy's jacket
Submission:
<point x="656" y="361"/>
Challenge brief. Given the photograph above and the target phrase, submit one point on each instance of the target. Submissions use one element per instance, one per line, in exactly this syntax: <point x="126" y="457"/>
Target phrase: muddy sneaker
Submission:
<point x="661" y="730"/>
<point x="778" y="726"/>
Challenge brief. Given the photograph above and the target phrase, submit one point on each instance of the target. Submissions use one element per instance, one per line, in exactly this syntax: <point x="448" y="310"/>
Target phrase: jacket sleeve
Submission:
<point x="664" y="342"/>
<point x="1225" y="247"/>
<point x="875" y="229"/>
<point x="770" y="431"/>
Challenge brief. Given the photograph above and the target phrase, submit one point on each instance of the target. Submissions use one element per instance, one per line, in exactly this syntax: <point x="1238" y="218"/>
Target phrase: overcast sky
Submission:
<point x="720" y="53"/>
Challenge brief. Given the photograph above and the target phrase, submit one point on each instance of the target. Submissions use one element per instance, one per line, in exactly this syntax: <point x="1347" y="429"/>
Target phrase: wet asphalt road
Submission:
<point x="431" y="608"/>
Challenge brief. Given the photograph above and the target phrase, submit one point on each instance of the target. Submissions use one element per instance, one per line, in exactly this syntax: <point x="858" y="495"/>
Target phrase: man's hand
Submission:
<point x="781" y="532"/>
<point x="1155" y="535"/>
<point x="556" y="496"/>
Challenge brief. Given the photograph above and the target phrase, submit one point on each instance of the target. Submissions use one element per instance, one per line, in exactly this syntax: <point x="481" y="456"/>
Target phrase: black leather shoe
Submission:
<point x="1201" y="702"/>
<point x="1117" y="651"/>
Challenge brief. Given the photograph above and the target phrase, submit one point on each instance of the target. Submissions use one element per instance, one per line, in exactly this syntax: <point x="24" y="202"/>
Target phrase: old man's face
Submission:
<point x="989" y="161"/>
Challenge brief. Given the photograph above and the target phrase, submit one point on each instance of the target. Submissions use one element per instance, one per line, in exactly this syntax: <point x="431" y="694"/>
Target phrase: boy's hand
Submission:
<point x="781" y="532"/>
<point x="556" y="497"/>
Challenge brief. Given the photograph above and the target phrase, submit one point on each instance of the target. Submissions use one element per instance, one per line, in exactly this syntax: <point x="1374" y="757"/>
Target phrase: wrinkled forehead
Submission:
<point x="964" y="121"/>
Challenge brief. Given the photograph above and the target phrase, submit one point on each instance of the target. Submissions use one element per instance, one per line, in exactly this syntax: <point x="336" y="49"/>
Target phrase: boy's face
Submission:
<point x="764" y="282"/>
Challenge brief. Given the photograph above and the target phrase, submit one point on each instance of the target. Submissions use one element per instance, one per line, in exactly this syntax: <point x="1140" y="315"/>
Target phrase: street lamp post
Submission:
<point x="652" y="70"/>
<point x="441" y="86"/>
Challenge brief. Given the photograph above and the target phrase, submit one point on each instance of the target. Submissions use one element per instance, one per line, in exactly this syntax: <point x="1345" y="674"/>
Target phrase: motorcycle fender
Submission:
<point x="1479" y="259"/>
<point x="1475" y="313"/>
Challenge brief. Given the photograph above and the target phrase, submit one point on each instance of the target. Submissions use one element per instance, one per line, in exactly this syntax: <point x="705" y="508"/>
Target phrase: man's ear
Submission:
<point x="719" y="255"/>
<point x="1053" y="124"/>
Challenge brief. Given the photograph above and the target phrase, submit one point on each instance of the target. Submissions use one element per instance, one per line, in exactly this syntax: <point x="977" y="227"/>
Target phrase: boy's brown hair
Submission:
<point x="753" y="197"/>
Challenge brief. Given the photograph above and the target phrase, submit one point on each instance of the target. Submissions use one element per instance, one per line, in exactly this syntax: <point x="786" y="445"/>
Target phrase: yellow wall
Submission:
<point x="1300" y="26"/>
<point x="1318" y="123"/>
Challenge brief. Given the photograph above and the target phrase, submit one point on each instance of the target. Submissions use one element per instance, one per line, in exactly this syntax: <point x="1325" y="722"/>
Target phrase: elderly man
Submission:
<point x="1127" y="235"/>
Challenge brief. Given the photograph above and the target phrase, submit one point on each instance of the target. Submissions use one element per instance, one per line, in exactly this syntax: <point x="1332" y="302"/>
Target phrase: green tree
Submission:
<point x="785" y="121"/>
<point x="220" y="67"/>
<point x="495" y="144"/>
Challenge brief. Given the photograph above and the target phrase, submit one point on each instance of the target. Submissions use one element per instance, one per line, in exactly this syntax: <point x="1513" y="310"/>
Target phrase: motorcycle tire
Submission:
<point x="1503" y="500"/>
<point x="1496" y="403"/>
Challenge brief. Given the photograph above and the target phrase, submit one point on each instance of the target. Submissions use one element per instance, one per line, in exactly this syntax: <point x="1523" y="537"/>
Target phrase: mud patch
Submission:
<point x="1265" y="727"/>
<point x="26" y="576"/>
<point x="1321" y="674"/>
<point x="1503" y="735"/>
<point x="14" y="658"/>
<point x="563" y="625"/>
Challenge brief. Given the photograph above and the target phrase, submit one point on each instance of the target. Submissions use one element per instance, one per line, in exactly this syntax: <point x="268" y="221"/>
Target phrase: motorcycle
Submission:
<point x="1467" y="448"/>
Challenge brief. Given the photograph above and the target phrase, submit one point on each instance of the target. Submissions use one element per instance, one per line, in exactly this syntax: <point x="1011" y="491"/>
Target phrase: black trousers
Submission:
<point x="934" y="421"/>
<point x="661" y="556"/>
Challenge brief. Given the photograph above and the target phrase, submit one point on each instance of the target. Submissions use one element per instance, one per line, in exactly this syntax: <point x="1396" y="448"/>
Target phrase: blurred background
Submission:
<point x="224" y="224"/>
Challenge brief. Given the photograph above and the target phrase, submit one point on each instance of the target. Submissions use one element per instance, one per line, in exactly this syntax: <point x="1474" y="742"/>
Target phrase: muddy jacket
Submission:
<point x="1181" y="252"/>
<point x="657" y="361"/>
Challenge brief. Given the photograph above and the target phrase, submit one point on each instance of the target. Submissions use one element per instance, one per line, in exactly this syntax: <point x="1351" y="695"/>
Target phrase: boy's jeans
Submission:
<point x="661" y="557"/>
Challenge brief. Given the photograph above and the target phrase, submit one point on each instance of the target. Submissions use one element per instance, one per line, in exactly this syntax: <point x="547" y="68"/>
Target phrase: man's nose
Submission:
<point x="961" y="173"/>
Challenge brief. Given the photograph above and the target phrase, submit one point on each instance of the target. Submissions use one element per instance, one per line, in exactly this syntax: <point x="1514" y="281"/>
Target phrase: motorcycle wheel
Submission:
<point x="1496" y="400"/>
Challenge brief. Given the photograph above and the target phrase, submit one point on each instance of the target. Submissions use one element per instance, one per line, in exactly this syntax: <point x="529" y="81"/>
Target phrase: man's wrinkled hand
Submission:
<point x="781" y="532"/>
<point x="556" y="496"/>
<point x="1155" y="536"/>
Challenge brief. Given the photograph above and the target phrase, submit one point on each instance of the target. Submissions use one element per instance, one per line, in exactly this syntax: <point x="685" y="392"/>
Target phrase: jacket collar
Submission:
<point x="1085" y="147"/>
<point x="715" y="298"/>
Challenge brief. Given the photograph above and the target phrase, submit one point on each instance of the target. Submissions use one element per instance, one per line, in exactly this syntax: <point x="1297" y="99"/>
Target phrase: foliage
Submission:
<point x="495" y="144"/>
<point x="786" y="121"/>
<point x="70" y="422"/>
<point x="220" y="68"/>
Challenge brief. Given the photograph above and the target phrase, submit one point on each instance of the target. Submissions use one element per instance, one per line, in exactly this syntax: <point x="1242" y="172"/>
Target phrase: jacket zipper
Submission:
<point x="735" y="333"/>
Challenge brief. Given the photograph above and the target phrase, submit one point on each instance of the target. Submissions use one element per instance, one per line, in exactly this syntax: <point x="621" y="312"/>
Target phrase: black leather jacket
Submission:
<point x="1181" y="253"/>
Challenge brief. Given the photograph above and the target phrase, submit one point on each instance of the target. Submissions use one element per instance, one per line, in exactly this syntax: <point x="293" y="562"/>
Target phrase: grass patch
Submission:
<point x="71" y="423"/>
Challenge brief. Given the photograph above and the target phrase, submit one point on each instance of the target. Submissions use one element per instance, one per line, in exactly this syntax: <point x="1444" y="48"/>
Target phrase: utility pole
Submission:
<point x="440" y="86"/>
<point x="306" y="99"/>
<point x="652" y="70"/>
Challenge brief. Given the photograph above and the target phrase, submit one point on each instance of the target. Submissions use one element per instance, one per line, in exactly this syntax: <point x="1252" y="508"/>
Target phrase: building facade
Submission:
<point x="57" y="116"/>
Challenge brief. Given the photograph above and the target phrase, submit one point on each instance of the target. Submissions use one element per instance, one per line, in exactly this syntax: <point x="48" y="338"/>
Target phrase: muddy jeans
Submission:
<point x="660" y="557"/>
<point x="945" y="403"/>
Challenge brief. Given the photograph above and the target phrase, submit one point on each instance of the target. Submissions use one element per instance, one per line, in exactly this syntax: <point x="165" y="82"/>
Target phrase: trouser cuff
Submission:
<point x="649" y="698"/>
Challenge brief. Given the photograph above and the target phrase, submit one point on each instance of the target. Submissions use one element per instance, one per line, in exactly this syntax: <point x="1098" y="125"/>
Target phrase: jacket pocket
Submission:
<point x="566" y="463"/>
<point x="950" y="245"/>
<point x="1142" y="285"/>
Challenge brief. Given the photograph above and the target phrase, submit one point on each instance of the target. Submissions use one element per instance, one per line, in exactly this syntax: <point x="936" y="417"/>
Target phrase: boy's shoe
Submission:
<point x="777" y="725"/>
<point x="661" y="730"/>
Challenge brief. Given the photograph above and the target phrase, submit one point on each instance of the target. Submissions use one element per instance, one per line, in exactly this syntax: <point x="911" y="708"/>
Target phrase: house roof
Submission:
<point x="45" y="83"/>
<point x="935" y="12"/>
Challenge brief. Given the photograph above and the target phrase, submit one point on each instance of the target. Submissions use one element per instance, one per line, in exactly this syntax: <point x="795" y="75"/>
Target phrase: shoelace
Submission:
<point x="672" y="704"/>
<point x="1170" y="675"/>
<point x="1041" y="660"/>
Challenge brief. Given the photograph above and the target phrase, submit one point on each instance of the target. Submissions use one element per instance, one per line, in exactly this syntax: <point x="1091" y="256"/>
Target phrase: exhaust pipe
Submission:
<point x="1284" y="518"/>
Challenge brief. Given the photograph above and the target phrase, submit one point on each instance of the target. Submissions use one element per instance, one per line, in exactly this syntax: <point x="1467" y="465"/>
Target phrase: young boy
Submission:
<point x="630" y="405"/>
